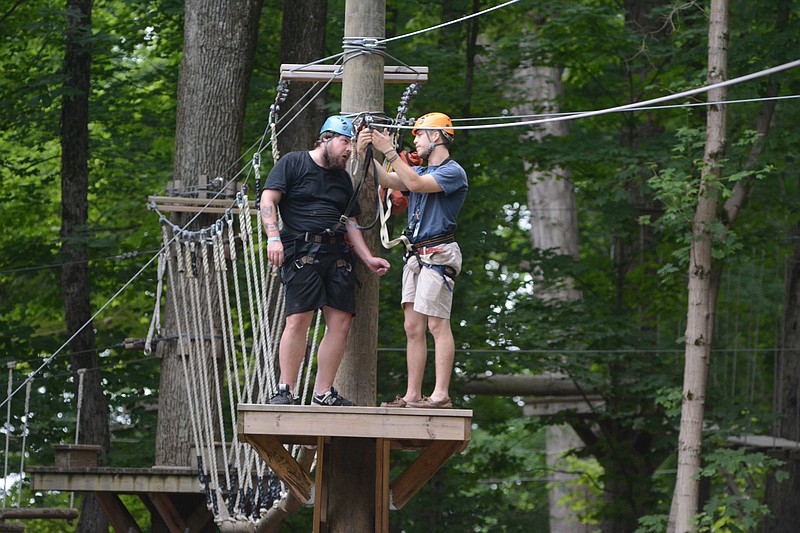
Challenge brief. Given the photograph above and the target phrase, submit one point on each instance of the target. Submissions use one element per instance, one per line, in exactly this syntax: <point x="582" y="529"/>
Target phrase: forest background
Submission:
<point x="635" y="179"/>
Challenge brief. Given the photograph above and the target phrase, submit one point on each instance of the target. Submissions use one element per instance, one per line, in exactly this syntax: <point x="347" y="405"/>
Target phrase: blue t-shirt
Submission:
<point x="434" y="214"/>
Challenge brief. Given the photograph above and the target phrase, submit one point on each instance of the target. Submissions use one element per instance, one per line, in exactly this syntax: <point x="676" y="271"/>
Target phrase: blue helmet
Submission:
<point x="338" y="124"/>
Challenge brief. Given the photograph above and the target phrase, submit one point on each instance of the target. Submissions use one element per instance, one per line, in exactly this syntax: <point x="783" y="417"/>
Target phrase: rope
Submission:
<point x="8" y="428"/>
<point x="177" y="285"/>
<point x="462" y="19"/>
<point x="155" y="322"/>
<point x="79" y="406"/>
<point x="24" y="441"/>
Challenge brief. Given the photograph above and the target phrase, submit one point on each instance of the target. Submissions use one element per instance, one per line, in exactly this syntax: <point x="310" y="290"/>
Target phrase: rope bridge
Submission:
<point x="229" y="309"/>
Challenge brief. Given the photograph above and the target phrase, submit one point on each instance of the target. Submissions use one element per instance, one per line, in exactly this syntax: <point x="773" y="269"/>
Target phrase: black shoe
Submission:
<point x="283" y="396"/>
<point x="330" y="397"/>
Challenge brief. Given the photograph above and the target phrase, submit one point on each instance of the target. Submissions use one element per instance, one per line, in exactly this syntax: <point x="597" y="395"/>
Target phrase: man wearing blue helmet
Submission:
<point x="313" y="193"/>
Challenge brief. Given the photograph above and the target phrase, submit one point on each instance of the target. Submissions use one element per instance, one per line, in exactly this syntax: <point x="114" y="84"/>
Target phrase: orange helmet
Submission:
<point x="438" y="121"/>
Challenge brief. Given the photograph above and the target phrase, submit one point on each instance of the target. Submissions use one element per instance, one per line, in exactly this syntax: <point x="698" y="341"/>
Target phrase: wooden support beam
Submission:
<point x="515" y="385"/>
<point x="382" y="503"/>
<point x="166" y="509"/>
<point x="179" y="204"/>
<point x="408" y="483"/>
<point x="120" y="480"/>
<point x="118" y="515"/>
<point x="43" y="513"/>
<point x="551" y="405"/>
<point x="320" y="487"/>
<point x="323" y="73"/>
<point x="283" y="464"/>
<point x="199" y="518"/>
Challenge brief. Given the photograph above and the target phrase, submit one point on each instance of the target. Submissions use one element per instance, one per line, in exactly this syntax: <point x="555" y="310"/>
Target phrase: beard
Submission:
<point x="338" y="163"/>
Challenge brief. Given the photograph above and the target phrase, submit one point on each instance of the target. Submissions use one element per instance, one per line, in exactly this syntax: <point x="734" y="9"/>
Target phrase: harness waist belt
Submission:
<point x="316" y="238"/>
<point x="439" y="239"/>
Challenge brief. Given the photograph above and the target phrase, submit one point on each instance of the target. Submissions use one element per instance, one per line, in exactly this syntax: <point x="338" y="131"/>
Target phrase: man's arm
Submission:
<point x="376" y="264"/>
<point x="403" y="177"/>
<point x="270" y="198"/>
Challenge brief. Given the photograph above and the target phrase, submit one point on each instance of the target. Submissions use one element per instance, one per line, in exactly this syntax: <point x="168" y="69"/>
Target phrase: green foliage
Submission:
<point x="635" y="176"/>
<point x="737" y="506"/>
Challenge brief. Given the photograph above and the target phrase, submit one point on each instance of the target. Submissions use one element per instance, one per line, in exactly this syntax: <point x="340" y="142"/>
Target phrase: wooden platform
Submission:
<point x="75" y="470"/>
<point x="435" y="433"/>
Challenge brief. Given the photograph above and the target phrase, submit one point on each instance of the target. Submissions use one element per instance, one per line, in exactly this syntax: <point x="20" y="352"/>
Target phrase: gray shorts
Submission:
<point x="426" y="286"/>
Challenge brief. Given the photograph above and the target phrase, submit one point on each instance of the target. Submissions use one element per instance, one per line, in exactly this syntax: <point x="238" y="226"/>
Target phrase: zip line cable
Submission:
<point x="442" y="25"/>
<point x="634" y="106"/>
<point x="124" y="255"/>
<point x="648" y="108"/>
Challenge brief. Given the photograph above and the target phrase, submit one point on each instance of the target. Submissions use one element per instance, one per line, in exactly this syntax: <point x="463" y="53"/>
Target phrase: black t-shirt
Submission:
<point x="313" y="198"/>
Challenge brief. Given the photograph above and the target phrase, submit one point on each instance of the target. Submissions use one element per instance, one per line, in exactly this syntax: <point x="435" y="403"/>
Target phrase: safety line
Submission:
<point x="442" y="25"/>
<point x="627" y="107"/>
<point x="652" y="108"/>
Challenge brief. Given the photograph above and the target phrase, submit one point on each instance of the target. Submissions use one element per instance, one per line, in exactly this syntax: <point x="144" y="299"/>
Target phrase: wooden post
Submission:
<point x="351" y="495"/>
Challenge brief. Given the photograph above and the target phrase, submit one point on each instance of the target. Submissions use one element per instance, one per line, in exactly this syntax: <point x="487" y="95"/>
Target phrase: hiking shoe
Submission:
<point x="330" y="397"/>
<point x="397" y="402"/>
<point x="283" y="396"/>
<point x="427" y="403"/>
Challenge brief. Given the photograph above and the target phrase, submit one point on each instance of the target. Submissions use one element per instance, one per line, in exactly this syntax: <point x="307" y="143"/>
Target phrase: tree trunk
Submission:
<point x="93" y="425"/>
<point x="554" y="226"/>
<point x="782" y="498"/>
<point x="219" y="46"/>
<point x="352" y="482"/>
<point x="698" y="324"/>
<point x="302" y="41"/>
<point x="218" y="53"/>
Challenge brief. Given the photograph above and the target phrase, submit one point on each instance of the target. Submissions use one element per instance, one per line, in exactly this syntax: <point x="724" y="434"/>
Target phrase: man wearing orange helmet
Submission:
<point x="436" y="191"/>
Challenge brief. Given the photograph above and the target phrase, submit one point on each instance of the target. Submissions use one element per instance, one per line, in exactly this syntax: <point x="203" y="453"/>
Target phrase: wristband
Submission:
<point x="273" y="239"/>
<point x="393" y="158"/>
<point x="389" y="152"/>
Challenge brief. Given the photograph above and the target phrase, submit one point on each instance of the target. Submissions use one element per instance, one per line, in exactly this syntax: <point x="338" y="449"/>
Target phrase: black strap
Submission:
<point x="368" y="160"/>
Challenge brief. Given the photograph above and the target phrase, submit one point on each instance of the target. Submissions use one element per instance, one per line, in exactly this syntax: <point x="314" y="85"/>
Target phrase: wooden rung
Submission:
<point x="12" y="527"/>
<point x="323" y="73"/>
<point x="43" y="513"/>
<point x="174" y="204"/>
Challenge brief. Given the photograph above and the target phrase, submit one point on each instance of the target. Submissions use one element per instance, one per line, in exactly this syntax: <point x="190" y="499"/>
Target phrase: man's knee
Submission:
<point x="439" y="326"/>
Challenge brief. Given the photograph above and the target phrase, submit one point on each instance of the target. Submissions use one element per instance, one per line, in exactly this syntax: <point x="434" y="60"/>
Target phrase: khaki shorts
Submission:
<point x="428" y="288"/>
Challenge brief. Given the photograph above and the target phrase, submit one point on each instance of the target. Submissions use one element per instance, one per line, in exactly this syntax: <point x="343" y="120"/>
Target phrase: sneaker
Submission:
<point x="283" y="396"/>
<point x="330" y="397"/>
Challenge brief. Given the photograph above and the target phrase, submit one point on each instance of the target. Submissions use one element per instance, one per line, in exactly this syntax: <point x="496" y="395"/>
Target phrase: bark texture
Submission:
<point x="93" y="422"/>
<point x="698" y="324"/>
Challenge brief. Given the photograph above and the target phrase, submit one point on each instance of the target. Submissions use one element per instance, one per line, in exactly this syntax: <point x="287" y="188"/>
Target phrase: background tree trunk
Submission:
<point x="699" y="328"/>
<point x="218" y="53"/>
<point x="782" y="498"/>
<point x="554" y="226"/>
<point x="93" y="426"/>
<point x="219" y="46"/>
<point x="302" y="40"/>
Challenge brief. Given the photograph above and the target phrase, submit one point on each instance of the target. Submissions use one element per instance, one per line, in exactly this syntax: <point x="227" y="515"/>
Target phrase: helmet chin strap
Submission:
<point x="431" y="144"/>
